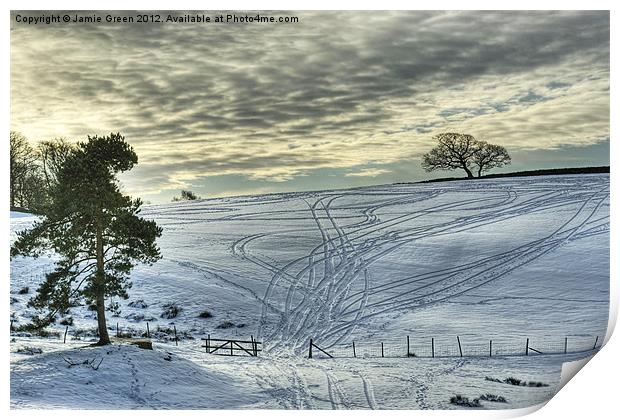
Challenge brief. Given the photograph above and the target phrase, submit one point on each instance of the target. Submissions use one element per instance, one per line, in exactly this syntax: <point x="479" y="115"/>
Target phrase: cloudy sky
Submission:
<point x="338" y="99"/>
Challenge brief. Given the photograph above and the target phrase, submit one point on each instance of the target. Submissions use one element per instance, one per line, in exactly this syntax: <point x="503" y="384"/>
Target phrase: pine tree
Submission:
<point x="94" y="228"/>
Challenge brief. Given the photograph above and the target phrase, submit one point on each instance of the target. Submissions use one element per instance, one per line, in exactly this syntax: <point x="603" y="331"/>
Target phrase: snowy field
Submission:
<point x="503" y="260"/>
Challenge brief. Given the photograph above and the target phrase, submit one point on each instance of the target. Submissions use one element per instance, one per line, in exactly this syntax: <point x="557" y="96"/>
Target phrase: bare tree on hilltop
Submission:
<point x="488" y="156"/>
<point x="463" y="151"/>
<point x="186" y="195"/>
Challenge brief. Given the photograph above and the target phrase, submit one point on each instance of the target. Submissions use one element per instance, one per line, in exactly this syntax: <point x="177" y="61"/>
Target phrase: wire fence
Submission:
<point x="407" y="346"/>
<point x="457" y="346"/>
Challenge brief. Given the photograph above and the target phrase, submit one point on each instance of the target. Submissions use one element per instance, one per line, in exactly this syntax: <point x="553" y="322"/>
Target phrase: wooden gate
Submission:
<point x="230" y="347"/>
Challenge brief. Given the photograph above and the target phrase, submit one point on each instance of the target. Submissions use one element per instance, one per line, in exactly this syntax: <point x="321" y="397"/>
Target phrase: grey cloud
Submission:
<point x="557" y="85"/>
<point x="210" y="89"/>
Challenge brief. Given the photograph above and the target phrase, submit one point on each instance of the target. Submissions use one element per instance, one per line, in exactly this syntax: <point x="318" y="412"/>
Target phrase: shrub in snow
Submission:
<point x="517" y="382"/>
<point x="46" y="333"/>
<point x="139" y="317"/>
<point x="138" y="304"/>
<point x="14" y="300"/>
<point x="512" y="381"/>
<point x="66" y="321"/>
<point x="23" y="291"/>
<point x="35" y="330"/>
<point x="115" y="308"/>
<point x="29" y="350"/>
<point x="205" y="314"/>
<point x="225" y="325"/>
<point x="464" y="401"/>
<point x="167" y="334"/>
<point x="535" y="384"/>
<point x="493" y="398"/>
<point x="84" y="332"/>
<point x="165" y="330"/>
<point x="171" y="310"/>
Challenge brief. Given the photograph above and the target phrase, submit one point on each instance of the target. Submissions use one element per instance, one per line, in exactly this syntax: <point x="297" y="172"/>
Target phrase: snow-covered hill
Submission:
<point x="503" y="260"/>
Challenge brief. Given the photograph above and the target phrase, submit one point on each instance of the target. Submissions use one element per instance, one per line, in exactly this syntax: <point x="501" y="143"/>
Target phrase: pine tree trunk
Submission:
<point x="104" y="338"/>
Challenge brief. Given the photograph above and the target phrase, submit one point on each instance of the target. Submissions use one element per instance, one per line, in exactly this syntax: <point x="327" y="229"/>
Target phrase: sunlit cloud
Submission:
<point x="338" y="90"/>
<point x="372" y="172"/>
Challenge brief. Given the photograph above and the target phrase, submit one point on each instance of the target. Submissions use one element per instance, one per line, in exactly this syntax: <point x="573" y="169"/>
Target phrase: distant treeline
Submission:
<point x="34" y="170"/>
<point x="536" y="172"/>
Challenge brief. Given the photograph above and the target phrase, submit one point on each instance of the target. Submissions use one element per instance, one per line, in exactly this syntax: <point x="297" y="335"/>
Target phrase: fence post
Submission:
<point x="433" y="347"/>
<point x="208" y="342"/>
<point x="176" y="338"/>
<point x="460" y="349"/>
<point x="231" y="348"/>
<point x="382" y="349"/>
<point x="354" y="354"/>
<point x="565" y="344"/>
<point x="490" y="348"/>
<point x="310" y="350"/>
<point x="254" y="346"/>
<point x="408" y="352"/>
<point x="527" y="346"/>
<point x="148" y="332"/>
<point x="64" y="340"/>
<point x="595" y="341"/>
<point x="117" y="329"/>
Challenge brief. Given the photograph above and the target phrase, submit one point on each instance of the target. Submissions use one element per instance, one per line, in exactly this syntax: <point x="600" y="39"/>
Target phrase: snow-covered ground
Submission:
<point x="503" y="260"/>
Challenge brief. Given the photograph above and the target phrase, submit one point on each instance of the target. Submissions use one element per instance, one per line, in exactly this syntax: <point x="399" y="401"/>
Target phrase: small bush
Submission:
<point x="517" y="382"/>
<point x="115" y="308"/>
<point x="75" y="302"/>
<point x="84" y="332"/>
<point x="66" y="321"/>
<point x="224" y="325"/>
<point x="36" y="330"/>
<point x="493" y="398"/>
<point x="512" y="381"/>
<point x="29" y="350"/>
<point x="535" y="384"/>
<point x="23" y="291"/>
<point x="124" y="334"/>
<point x="138" y="304"/>
<point x="205" y="314"/>
<point x="465" y="402"/>
<point x="165" y="330"/>
<point x="139" y="317"/>
<point x="167" y="334"/>
<point x="171" y="310"/>
<point x="46" y="333"/>
<point x="411" y="354"/>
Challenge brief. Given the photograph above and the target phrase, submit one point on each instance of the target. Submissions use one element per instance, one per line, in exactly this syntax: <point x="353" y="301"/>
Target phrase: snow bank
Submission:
<point x="127" y="378"/>
<point x="495" y="259"/>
